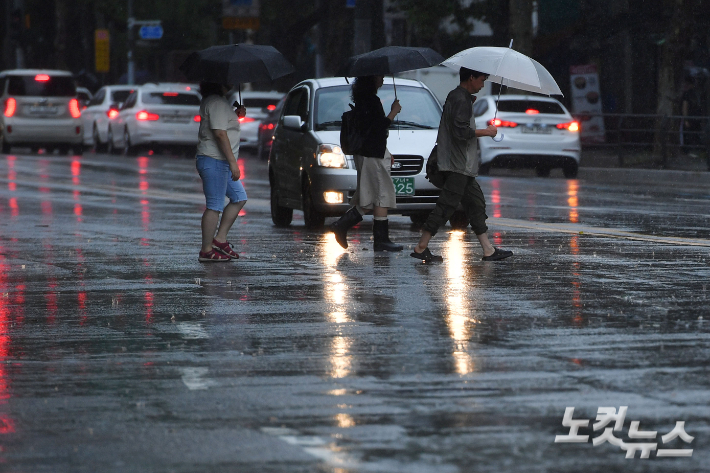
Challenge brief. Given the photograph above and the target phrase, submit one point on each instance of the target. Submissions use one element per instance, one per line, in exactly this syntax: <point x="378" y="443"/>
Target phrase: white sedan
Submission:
<point x="537" y="132"/>
<point x="156" y="115"/>
<point x="258" y="105"/>
<point x="102" y="107"/>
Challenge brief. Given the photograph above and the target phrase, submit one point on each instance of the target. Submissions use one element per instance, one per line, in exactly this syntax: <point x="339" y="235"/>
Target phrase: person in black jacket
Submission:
<point x="375" y="190"/>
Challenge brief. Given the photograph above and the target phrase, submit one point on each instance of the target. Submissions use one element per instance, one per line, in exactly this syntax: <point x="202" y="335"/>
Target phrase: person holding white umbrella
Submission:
<point x="458" y="164"/>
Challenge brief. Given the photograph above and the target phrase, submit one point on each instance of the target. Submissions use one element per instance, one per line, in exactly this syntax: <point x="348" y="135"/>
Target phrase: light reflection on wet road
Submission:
<point x="120" y="352"/>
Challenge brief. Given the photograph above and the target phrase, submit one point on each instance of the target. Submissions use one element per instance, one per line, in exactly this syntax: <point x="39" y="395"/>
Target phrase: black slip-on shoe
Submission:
<point x="498" y="254"/>
<point x="426" y="256"/>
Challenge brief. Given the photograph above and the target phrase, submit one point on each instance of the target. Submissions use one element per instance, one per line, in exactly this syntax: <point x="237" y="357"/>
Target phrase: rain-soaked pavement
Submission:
<point x="121" y="353"/>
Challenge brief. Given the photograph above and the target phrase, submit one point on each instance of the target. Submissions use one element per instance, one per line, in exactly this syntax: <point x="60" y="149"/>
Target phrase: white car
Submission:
<point x="40" y="110"/>
<point x="258" y="105"/>
<point x="307" y="167"/>
<point x="102" y="107"/>
<point x="156" y="115"/>
<point x="537" y="132"/>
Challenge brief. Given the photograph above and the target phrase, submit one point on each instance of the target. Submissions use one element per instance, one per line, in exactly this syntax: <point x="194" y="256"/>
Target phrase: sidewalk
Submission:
<point x="600" y="157"/>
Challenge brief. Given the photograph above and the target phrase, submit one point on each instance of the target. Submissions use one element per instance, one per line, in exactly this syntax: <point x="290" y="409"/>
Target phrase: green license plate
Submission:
<point x="403" y="185"/>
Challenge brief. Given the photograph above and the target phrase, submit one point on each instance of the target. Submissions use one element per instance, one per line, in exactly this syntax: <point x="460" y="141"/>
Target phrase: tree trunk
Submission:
<point x="60" y="41"/>
<point x="521" y="25"/>
<point x="669" y="75"/>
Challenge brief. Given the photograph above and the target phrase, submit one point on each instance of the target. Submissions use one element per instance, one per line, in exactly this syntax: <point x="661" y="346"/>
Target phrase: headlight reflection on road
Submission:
<point x="572" y="188"/>
<point x="458" y="304"/>
<point x="335" y="292"/>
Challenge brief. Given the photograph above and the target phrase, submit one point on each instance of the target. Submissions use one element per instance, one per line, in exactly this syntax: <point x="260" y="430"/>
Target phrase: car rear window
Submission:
<point x="171" y="98"/>
<point x="522" y="106"/>
<point x="259" y="103"/>
<point x="120" y="95"/>
<point x="41" y="85"/>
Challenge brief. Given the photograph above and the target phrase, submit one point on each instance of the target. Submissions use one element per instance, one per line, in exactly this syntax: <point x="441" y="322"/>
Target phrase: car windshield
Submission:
<point x="41" y="85"/>
<point x="171" y="98"/>
<point x="419" y="108"/>
<point x="530" y="106"/>
<point x="120" y="96"/>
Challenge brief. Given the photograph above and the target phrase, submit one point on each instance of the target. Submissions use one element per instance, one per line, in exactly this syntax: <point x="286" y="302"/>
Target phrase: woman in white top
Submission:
<point x="216" y="161"/>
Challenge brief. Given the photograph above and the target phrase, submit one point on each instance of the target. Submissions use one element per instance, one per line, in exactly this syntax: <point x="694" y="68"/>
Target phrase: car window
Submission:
<point x="297" y="103"/>
<point x="170" y="98"/>
<point x="130" y="101"/>
<point x="98" y="99"/>
<point x="419" y="107"/>
<point x="3" y="81"/>
<point x="41" y="85"/>
<point x="480" y="107"/>
<point x="530" y="106"/>
<point x="260" y="102"/>
<point x="118" y="96"/>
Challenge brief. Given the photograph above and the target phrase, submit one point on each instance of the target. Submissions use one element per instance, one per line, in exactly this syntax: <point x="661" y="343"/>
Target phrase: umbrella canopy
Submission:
<point x="506" y="66"/>
<point x="236" y="63"/>
<point x="390" y="60"/>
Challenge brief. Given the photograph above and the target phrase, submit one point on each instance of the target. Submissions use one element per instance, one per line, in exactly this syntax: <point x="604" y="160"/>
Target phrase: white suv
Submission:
<point x="40" y="110"/>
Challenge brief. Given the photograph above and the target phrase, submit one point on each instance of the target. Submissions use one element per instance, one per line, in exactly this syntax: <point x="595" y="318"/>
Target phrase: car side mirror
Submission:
<point x="294" y="122"/>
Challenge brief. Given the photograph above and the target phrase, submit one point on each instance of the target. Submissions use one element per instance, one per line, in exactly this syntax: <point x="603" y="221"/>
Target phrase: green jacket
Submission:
<point x="456" y="141"/>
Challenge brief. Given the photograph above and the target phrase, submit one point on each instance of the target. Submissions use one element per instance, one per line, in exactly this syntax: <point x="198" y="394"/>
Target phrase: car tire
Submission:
<point x="4" y="144"/>
<point x="542" y="170"/>
<point x="484" y="169"/>
<point x="98" y="146"/>
<point x="458" y="220"/>
<point x="570" y="169"/>
<point x="281" y="216"/>
<point x="419" y="218"/>
<point x="128" y="150"/>
<point x="110" y="149"/>
<point x="311" y="217"/>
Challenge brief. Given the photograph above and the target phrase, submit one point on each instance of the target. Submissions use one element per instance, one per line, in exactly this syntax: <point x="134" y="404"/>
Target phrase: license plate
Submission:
<point x="540" y="130"/>
<point x="43" y="110"/>
<point x="403" y="185"/>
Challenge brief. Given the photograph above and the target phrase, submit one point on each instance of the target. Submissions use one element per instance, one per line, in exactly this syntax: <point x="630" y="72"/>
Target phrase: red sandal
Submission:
<point x="225" y="248"/>
<point x="213" y="257"/>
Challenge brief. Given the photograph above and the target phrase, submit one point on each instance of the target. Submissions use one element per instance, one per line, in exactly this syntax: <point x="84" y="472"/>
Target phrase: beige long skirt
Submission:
<point x="374" y="184"/>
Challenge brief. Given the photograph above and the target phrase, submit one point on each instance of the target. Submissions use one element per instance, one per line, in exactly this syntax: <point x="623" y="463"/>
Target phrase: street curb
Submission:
<point x="626" y="175"/>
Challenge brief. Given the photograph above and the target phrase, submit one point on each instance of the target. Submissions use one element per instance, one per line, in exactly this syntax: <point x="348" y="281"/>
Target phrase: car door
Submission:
<point x="92" y="114"/>
<point x="285" y="160"/>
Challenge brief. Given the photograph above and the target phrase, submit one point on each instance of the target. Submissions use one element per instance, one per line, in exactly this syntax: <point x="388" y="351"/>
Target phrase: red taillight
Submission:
<point x="74" y="108"/>
<point x="270" y="126"/>
<point x="497" y="122"/>
<point x="532" y="111"/>
<point x="571" y="126"/>
<point x="170" y="94"/>
<point x="112" y="113"/>
<point x="143" y="115"/>
<point x="271" y="107"/>
<point x="41" y="77"/>
<point x="196" y="119"/>
<point x="10" y="107"/>
<point x="246" y="120"/>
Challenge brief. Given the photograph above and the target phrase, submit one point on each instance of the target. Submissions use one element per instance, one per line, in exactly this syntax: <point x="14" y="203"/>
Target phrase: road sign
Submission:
<point x="241" y="8"/>
<point x="102" y="51"/>
<point x="150" y="32"/>
<point x="240" y="23"/>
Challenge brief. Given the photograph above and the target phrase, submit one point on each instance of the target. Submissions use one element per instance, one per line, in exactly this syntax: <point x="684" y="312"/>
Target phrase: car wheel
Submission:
<point x="98" y="147"/>
<point x="458" y="220"/>
<point x="281" y="216"/>
<point x="110" y="149"/>
<point x="542" y="170"/>
<point x="570" y="169"/>
<point x="419" y="219"/>
<point x="127" y="148"/>
<point x="484" y="169"/>
<point x="311" y="216"/>
<point x="5" y="145"/>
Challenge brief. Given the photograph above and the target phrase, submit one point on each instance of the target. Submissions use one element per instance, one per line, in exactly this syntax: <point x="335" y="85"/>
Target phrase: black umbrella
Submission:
<point x="390" y="60"/>
<point x="236" y="63"/>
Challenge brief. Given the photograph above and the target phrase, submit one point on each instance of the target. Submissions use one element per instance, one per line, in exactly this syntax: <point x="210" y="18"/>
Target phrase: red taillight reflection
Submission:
<point x="10" y="107"/>
<point x="271" y="107"/>
<point x="571" y="126"/>
<point x="74" y="108"/>
<point x="112" y="113"/>
<point x="41" y="77"/>
<point x="502" y="123"/>
<point x="143" y="116"/>
<point x="246" y="120"/>
<point x="196" y="118"/>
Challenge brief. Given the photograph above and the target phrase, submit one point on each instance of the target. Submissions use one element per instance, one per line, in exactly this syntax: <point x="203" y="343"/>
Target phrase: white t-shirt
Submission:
<point x="217" y="114"/>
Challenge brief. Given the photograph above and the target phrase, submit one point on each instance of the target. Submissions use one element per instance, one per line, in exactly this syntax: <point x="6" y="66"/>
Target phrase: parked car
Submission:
<point x="538" y="132"/>
<point x="40" y="110"/>
<point x="308" y="170"/>
<point x="266" y="130"/>
<point x="102" y="107"/>
<point x="258" y="105"/>
<point x="165" y="115"/>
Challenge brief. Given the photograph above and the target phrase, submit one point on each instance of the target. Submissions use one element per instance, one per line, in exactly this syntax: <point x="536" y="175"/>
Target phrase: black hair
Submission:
<point x="465" y="73"/>
<point x="362" y="87"/>
<point x="210" y="88"/>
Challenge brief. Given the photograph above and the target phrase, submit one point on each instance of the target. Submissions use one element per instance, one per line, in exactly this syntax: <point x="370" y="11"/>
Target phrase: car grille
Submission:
<point x="406" y="165"/>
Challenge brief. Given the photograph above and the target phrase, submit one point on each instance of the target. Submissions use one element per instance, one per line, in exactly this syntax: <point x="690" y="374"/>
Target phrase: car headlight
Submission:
<point x="331" y="156"/>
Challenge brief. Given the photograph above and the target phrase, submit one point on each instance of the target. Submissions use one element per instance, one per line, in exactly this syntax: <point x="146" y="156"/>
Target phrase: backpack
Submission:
<point x="432" y="169"/>
<point x="350" y="138"/>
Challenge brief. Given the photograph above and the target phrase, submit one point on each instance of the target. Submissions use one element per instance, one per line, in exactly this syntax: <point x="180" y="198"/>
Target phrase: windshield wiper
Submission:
<point x="414" y="124"/>
<point x="321" y="126"/>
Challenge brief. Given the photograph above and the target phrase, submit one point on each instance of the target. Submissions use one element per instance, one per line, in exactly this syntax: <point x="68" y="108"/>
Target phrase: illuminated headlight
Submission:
<point x="333" y="197"/>
<point x="331" y="156"/>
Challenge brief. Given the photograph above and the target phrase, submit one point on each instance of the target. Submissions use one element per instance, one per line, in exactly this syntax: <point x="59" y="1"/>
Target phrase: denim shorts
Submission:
<point x="217" y="183"/>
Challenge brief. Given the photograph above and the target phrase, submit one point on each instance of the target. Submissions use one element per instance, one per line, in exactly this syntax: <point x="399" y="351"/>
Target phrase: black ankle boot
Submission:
<point x="345" y="223"/>
<point x="381" y="232"/>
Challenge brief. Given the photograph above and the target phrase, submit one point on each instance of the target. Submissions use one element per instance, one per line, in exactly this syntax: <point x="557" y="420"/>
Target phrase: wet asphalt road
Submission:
<point x="121" y="353"/>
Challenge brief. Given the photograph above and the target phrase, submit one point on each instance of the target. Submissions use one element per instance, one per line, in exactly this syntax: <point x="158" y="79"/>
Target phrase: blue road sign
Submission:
<point x="151" y="32"/>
